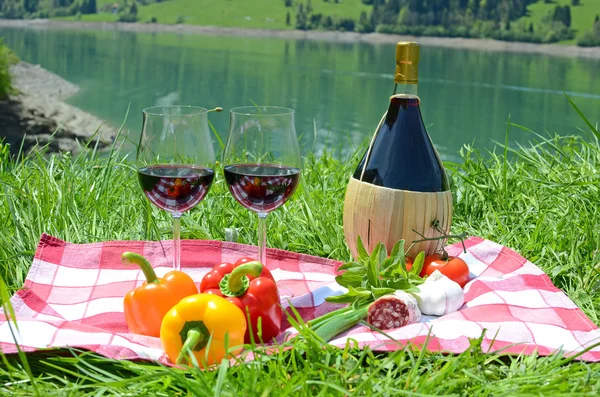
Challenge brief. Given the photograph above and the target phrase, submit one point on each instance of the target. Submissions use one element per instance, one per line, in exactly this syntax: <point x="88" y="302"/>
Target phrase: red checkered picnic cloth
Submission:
<point x="73" y="297"/>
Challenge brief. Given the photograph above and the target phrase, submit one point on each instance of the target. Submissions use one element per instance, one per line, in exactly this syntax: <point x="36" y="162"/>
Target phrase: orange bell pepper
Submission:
<point x="146" y="306"/>
<point x="203" y="328"/>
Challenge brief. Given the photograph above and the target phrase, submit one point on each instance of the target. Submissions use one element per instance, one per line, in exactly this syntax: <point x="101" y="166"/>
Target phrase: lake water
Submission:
<point x="339" y="90"/>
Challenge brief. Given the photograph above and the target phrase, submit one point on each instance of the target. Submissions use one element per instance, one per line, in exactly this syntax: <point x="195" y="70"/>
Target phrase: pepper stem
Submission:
<point x="194" y="338"/>
<point x="127" y="258"/>
<point x="236" y="283"/>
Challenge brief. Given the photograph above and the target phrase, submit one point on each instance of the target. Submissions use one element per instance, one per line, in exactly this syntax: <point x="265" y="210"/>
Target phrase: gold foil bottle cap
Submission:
<point x="407" y="62"/>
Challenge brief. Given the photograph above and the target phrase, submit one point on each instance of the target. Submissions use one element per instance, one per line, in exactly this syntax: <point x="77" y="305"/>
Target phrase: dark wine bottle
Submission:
<point x="400" y="189"/>
<point x="402" y="155"/>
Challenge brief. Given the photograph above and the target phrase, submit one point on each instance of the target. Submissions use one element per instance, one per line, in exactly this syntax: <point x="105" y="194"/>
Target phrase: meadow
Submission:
<point x="539" y="199"/>
<point x="582" y="16"/>
<point x="263" y="14"/>
<point x="271" y="14"/>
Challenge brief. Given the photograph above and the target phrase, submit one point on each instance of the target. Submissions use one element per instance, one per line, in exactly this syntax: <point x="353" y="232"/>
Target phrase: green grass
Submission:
<point x="7" y="58"/>
<point x="540" y="200"/>
<point x="270" y="14"/>
<point x="264" y="14"/>
<point x="582" y="16"/>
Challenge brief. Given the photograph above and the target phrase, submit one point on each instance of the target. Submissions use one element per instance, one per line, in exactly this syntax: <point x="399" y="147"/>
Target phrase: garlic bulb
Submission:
<point x="439" y="295"/>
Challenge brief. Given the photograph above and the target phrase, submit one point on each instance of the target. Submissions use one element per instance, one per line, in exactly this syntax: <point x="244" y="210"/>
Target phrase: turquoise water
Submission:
<point x="339" y="90"/>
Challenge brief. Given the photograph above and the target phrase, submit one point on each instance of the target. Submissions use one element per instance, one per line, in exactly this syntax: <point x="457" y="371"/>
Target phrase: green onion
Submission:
<point x="340" y="322"/>
<point x="315" y="322"/>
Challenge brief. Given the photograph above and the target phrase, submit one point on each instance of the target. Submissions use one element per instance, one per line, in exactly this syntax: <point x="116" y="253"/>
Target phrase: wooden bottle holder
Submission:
<point x="379" y="214"/>
<point x="382" y="215"/>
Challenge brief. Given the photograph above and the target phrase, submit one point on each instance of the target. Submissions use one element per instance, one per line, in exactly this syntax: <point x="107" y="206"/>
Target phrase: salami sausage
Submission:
<point x="393" y="311"/>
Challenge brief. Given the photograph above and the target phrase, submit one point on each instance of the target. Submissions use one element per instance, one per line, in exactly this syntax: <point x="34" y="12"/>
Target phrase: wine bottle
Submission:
<point x="400" y="187"/>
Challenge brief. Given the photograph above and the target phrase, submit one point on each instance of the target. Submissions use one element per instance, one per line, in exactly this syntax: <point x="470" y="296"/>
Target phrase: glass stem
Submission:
<point x="262" y="238"/>
<point x="176" y="241"/>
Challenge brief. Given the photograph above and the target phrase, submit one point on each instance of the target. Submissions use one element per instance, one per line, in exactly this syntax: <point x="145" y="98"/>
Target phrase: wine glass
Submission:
<point x="262" y="161"/>
<point x="175" y="161"/>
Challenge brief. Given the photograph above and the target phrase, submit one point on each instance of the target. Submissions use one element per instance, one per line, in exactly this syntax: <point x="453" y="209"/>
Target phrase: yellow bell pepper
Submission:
<point x="206" y="326"/>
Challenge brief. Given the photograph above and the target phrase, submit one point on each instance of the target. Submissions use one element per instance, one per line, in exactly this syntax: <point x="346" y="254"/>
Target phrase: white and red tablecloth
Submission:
<point x="73" y="297"/>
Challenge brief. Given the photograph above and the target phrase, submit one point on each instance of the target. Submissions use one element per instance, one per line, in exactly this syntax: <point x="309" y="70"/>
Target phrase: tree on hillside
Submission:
<point x="591" y="38"/>
<point x="61" y="3"/>
<point x="473" y="6"/>
<point x="364" y="23"/>
<point x="567" y="16"/>
<point x="405" y="17"/>
<point x="11" y="9"/>
<point x="301" y="18"/>
<point x="133" y="9"/>
<point x="88" y="7"/>
<point x="390" y="11"/>
<point x="575" y="3"/>
<point x="346" y="25"/>
<point x="562" y="14"/>
<point x="130" y="14"/>
<point x="30" y="5"/>
<point x="315" y="21"/>
<point x="288" y="19"/>
<point x="375" y="14"/>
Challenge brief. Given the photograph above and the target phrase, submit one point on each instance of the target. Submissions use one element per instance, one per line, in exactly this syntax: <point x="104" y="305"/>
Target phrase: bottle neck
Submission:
<point x="407" y="89"/>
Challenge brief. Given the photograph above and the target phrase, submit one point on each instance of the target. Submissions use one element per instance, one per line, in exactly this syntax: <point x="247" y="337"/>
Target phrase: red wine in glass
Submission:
<point x="261" y="187"/>
<point x="175" y="161"/>
<point x="262" y="162"/>
<point x="175" y="188"/>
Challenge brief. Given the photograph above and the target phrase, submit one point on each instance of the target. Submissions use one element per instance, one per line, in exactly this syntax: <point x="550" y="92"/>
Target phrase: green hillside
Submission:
<point x="541" y="21"/>
<point x="271" y="14"/>
<point x="582" y="16"/>
<point x="268" y="14"/>
<point x="265" y="14"/>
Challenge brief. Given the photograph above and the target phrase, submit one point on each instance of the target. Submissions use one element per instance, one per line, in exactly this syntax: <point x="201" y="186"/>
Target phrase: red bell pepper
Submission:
<point x="251" y="287"/>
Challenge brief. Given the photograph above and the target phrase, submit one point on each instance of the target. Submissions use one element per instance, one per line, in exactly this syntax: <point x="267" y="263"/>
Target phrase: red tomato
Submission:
<point x="409" y="263"/>
<point x="184" y="191"/>
<point x="454" y="268"/>
<point x="256" y="190"/>
<point x="173" y="191"/>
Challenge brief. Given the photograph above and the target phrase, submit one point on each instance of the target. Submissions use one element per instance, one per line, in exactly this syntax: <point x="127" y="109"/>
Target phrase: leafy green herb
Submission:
<point x="371" y="277"/>
<point x="378" y="274"/>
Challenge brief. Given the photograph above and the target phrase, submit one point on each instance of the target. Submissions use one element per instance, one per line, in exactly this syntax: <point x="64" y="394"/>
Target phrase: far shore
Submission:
<point x="37" y="116"/>
<point x="347" y="37"/>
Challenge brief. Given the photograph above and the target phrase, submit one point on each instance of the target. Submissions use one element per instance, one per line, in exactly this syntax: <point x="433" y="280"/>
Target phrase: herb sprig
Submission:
<point x="368" y="278"/>
<point x="378" y="274"/>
